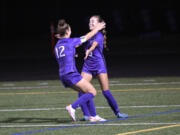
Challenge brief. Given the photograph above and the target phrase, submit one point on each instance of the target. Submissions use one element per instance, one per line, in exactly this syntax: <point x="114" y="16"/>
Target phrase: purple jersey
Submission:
<point x="65" y="52"/>
<point x="95" y="62"/>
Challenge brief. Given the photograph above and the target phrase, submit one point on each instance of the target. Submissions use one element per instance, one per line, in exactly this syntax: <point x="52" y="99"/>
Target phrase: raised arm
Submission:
<point x="100" y="26"/>
<point x="89" y="35"/>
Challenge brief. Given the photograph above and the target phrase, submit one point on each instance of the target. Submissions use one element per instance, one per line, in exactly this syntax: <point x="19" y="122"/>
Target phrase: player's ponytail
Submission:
<point x="105" y="39"/>
<point x="103" y="31"/>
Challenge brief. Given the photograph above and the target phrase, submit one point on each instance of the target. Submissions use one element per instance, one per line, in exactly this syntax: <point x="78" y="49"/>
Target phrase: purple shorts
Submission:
<point x="94" y="72"/>
<point x="70" y="79"/>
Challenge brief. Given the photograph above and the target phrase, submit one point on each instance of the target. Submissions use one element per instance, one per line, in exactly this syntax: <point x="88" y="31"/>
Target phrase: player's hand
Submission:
<point x="76" y="55"/>
<point x="86" y="54"/>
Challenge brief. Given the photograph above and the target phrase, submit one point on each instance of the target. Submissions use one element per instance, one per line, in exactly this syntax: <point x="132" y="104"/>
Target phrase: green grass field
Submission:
<point x="38" y="108"/>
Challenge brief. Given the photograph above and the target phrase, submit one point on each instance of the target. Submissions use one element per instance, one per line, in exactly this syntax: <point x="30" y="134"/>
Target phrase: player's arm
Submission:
<point x="93" y="46"/>
<point x="100" y="26"/>
<point x="89" y="35"/>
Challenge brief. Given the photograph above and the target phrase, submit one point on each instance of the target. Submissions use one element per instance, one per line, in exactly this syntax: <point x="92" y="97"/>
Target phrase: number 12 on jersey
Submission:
<point x="60" y="51"/>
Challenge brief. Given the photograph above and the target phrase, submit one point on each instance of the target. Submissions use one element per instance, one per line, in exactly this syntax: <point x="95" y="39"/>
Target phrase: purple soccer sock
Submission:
<point x="92" y="108"/>
<point x="88" y="108"/>
<point x="83" y="99"/>
<point x="84" y="106"/>
<point x="111" y="101"/>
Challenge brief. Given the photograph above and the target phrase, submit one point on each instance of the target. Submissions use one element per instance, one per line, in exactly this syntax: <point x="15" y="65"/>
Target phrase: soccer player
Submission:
<point x="95" y="65"/>
<point x="70" y="77"/>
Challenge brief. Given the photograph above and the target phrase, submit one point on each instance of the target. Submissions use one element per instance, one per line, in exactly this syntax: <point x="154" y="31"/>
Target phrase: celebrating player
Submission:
<point x="95" y="65"/>
<point x="65" y="51"/>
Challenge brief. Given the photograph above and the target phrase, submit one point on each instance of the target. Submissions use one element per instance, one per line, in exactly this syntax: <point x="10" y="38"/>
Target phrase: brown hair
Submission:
<point x="100" y="19"/>
<point x="62" y="27"/>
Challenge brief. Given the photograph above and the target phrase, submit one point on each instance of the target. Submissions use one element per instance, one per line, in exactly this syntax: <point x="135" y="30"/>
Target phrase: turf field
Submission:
<point x="38" y="108"/>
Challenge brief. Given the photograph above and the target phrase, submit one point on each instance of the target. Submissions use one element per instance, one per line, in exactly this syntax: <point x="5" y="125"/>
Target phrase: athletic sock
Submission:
<point x="88" y="108"/>
<point x="84" y="106"/>
<point x="92" y="108"/>
<point x="81" y="100"/>
<point x="111" y="101"/>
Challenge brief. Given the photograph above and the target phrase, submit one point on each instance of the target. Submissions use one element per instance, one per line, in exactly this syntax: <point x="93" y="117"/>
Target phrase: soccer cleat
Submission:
<point x="122" y="115"/>
<point x="96" y="118"/>
<point x="86" y="118"/>
<point x="71" y="112"/>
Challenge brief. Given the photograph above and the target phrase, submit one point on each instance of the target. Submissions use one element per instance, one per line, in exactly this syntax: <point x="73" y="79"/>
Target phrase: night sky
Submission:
<point x="23" y="19"/>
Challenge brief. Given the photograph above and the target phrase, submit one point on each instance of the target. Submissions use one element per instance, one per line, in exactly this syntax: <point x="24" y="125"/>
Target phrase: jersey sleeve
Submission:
<point x="76" y="41"/>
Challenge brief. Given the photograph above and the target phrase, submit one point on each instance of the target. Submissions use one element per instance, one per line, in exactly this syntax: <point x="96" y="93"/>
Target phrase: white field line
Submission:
<point x="162" y="83"/>
<point x="8" y="84"/>
<point x="149" y="80"/>
<point x="111" y="84"/>
<point x="98" y="107"/>
<point x="28" y="87"/>
<point x="102" y="124"/>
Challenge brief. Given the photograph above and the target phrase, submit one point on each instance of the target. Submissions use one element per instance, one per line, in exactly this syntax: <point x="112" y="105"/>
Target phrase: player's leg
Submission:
<point x="87" y="76"/>
<point x="84" y="109"/>
<point x="88" y="108"/>
<point x="103" y="80"/>
<point x="83" y="86"/>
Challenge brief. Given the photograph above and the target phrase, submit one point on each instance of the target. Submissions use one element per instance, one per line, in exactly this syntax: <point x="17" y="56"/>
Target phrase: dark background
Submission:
<point x="143" y="36"/>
